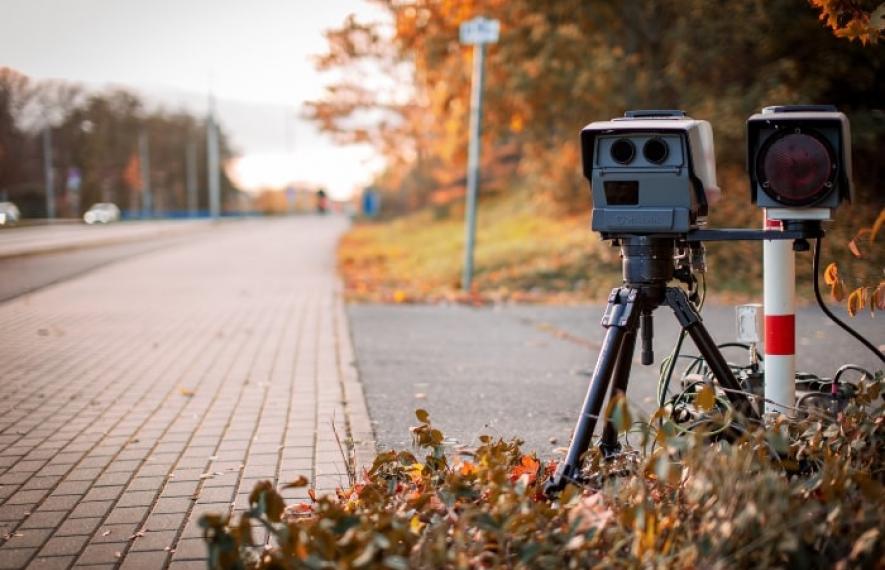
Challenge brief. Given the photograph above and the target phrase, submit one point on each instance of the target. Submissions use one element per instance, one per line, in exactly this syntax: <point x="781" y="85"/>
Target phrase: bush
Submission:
<point x="801" y="493"/>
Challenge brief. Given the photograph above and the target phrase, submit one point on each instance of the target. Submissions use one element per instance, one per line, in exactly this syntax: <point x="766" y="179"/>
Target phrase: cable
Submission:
<point x="815" y="265"/>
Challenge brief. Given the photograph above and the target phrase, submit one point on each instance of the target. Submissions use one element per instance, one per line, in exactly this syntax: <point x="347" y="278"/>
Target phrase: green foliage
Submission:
<point x="803" y="493"/>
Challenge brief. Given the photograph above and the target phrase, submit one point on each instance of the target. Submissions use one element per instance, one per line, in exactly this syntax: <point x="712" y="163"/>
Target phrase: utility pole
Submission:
<point x="213" y="163"/>
<point x="48" y="172"/>
<point x="477" y="32"/>
<point x="144" y="160"/>
<point x="191" y="178"/>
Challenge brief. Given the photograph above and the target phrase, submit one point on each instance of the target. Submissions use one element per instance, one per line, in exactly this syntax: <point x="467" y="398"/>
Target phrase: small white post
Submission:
<point x="779" y="284"/>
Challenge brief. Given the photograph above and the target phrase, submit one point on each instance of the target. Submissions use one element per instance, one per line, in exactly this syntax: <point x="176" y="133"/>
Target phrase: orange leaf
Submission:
<point x="852" y="246"/>
<point x="880" y="221"/>
<point x="831" y="274"/>
<point x="838" y="291"/>
<point x="855" y="301"/>
<point x="877" y="299"/>
<point x="528" y="465"/>
<point x="467" y="469"/>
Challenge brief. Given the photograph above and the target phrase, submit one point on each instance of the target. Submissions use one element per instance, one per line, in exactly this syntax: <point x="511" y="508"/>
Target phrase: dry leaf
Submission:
<point x="877" y="299"/>
<point x="300" y="481"/>
<point x="831" y="274"/>
<point x="185" y="391"/>
<point x="855" y="301"/>
<point x="838" y="291"/>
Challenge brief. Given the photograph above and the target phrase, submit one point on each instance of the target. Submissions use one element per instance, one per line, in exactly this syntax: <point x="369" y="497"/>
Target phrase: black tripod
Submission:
<point x="648" y="265"/>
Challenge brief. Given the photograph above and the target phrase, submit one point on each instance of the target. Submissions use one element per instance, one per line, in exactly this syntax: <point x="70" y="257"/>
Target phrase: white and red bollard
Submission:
<point x="779" y="286"/>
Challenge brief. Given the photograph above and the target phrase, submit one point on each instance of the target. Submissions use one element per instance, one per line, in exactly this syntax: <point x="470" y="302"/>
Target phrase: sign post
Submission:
<point x="476" y="32"/>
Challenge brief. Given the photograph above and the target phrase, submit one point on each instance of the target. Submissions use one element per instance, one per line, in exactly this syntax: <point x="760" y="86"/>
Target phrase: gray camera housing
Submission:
<point x="667" y="195"/>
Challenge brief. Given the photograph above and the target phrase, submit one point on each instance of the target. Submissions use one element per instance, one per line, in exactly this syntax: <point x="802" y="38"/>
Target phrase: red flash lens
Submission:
<point x="797" y="169"/>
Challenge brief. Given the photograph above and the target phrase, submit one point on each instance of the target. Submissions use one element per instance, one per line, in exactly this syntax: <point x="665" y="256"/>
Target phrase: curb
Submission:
<point x="359" y="425"/>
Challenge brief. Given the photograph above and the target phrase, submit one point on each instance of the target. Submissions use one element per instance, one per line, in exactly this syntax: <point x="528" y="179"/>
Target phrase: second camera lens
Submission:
<point x="655" y="150"/>
<point x="623" y="151"/>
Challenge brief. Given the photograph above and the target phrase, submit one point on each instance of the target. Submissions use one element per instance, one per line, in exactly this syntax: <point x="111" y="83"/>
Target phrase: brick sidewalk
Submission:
<point x="142" y="395"/>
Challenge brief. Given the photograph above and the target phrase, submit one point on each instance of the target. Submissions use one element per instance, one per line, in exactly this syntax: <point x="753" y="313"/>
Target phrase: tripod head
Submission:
<point x="648" y="264"/>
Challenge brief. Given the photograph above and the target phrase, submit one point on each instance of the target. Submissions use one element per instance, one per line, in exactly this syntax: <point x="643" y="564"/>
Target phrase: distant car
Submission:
<point x="102" y="213"/>
<point x="9" y="214"/>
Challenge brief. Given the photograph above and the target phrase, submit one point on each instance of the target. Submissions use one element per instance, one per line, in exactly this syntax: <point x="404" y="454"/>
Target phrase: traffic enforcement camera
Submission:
<point x="799" y="161"/>
<point x="650" y="172"/>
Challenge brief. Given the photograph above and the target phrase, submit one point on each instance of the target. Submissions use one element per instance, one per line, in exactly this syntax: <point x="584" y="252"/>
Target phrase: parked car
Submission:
<point x="9" y="214"/>
<point x="102" y="213"/>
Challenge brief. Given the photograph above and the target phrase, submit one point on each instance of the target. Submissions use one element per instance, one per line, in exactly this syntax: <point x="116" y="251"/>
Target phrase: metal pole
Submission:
<point x="49" y="174"/>
<point x="147" y="199"/>
<point x="191" y="176"/>
<point x="213" y="164"/>
<point x="473" y="163"/>
<point x="779" y="287"/>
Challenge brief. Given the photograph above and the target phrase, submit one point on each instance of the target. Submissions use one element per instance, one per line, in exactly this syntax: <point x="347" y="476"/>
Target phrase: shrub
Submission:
<point x="800" y="493"/>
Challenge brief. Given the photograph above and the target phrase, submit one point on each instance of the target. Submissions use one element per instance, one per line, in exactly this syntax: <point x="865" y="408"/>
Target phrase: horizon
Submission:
<point x="258" y="104"/>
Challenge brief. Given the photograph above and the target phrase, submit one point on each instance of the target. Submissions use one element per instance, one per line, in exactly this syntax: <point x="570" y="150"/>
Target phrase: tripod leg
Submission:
<point x="609" y="443"/>
<point x="693" y="324"/>
<point x="617" y="319"/>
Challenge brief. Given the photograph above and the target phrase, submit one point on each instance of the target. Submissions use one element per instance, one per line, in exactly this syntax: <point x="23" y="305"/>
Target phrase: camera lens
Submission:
<point x="655" y="150"/>
<point x="797" y="169"/>
<point x="623" y="151"/>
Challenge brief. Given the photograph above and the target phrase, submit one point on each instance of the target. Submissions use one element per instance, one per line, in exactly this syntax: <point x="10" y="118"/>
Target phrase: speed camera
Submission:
<point x="650" y="172"/>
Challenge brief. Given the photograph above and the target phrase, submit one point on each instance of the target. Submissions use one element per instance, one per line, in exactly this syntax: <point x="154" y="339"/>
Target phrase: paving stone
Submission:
<point x="92" y="509"/>
<point x="84" y="526"/>
<point x="63" y="545"/>
<point x="44" y="519"/>
<point x="29" y="538"/>
<point x="188" y="565"/>
<point x="107" y="553"/>
<point x="142" y="560"/>
<point x="15" y="558"/>
<point x="127" y="515"/>
<point x="114" y="532"/>
<point x="51" y="563"/>
<point x="136" y="499"/>
<point x="15" y="512"/>
<point x="27" y="497"/>
<point x="104" y="493"/>
<point x="62" y="503"/>
<point x="154" y="540"/>
<point x="165" y="521"/>
<point x="191" y="549"/>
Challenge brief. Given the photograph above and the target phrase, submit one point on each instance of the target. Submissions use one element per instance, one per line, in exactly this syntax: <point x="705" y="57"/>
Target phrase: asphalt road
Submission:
<point x="37" y="256"/>
<point x="522" y="371"/>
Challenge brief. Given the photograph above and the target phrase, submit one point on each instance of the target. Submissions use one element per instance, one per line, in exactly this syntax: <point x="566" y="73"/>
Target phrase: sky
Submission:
<point x="255" y="56"/>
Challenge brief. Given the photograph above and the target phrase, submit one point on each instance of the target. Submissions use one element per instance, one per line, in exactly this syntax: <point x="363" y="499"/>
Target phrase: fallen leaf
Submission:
<point x="831" y="274"/>
<point x="855" y="301"/>
<point x="300" y="481"/>
<point x="838" y="291"/>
